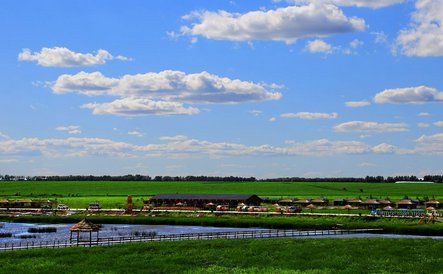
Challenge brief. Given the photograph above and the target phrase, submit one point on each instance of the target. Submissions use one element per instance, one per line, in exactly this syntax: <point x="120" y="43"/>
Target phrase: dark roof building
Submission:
<point x="201" y="200"/>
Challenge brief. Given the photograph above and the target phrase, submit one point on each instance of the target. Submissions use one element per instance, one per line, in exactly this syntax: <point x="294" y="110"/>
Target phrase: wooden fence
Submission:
<point x="256" y="234"/>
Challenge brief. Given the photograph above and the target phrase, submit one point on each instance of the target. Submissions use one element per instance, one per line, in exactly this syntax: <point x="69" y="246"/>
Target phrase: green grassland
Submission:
<point x="112" y="193"/>
<point x="351" y="255"/>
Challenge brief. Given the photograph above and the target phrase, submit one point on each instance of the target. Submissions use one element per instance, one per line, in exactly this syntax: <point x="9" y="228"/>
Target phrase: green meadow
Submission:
<point x="112" y="193"/>
<point x="346" y="255"/>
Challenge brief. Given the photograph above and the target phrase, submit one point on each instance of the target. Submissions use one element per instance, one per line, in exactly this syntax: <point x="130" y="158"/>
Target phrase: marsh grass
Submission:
<point x="350" y="255"/>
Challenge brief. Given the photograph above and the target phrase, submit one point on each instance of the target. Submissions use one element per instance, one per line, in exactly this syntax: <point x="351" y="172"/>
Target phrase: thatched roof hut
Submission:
<point x="371" y="203"/>
<point x="84" y="225"/>
<point x="302" y="202"/>
<point x="311" y="206"/>
<point x="406" y="203"/>
<point x="285" y="202"/>
<point x="385" y="202"/>
<point x="319" y="202"/>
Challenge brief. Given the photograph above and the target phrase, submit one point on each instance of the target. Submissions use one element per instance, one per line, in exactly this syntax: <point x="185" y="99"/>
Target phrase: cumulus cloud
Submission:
<point x="355" y="43"/>
<point x="140" y="107"/>
<point x="310" y="115"/>
<point x="318" y="46"/>
<point x="285" y="24"/>
<point x="168" y="85"/>
<point x="162" y="93"/>
<point x="429" y="144"/>
<point x="423" y="125"/>
<point x="4" y="136"/>
<point x="64" y="57"/>
<point x="175" y="146"/>
<point x="409" y="95"/>
<point x="135" y="133"/>
<point x="384" y="148"/>
<point x="424" y="37"/>
<point x="69" y="129"/>
<point x="423" y="114"/>
<point x="380" y="37"/>
<point x="256" y="112"/>
<point x="357" y="104"/>
<point x="183" y="146"/>
<point x="374" y="4"/>
<point x="272" y="119"/>
<point x="361" y="126"/>
<point x="438" y="124"/>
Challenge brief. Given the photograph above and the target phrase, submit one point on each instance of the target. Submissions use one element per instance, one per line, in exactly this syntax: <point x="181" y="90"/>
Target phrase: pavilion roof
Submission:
<point x="85" y="225"/>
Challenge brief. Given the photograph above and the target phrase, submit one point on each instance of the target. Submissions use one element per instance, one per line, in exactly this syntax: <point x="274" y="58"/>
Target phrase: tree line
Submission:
<point x="138" y="177"/>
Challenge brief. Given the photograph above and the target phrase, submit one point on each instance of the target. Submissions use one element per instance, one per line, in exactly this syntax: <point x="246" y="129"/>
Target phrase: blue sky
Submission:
<point x="249" y="88"/>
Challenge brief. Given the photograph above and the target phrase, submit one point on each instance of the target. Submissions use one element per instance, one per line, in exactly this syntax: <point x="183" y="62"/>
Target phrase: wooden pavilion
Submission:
<point x="84" y="226"/>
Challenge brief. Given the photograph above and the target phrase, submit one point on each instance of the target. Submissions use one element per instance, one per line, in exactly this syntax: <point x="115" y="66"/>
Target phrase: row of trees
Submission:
<point x="367" y="179"/>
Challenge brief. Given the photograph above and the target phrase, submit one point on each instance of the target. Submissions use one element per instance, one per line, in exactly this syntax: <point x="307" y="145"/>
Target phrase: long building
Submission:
<point x="202" y="200"/>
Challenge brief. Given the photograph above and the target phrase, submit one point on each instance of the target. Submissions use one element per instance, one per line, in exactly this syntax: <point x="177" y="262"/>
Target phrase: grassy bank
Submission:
<point x="112" y="194"/>
<point x="353" y="255"/>
<point x="399" y="226"/>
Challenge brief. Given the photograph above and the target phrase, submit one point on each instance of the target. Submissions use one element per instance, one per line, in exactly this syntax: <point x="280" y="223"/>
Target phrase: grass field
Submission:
<point x="353" y="255"/>
<point x="113" y="193"/>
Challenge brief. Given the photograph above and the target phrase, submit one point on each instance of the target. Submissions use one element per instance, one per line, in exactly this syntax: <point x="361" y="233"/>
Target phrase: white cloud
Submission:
<point x="360" y="126"/>
<point x="357" y="104"/>
<point x="8" y="161"/>
<point x="423" y="114"/>
<point x="173" y="138"/>
<point x="310" y="115"/>
<point x="423" y="125"/>
<point x="69" y="129"/>
<point x="367" y="164"/>
<point x="318" y="46"/>
<point x="374" y="4"/>
<point x="64" y="57"/>
<point x="256" y="112"/>
<point x="181" y="146"/>
<point x="424" y="37"/>
<point x="168" y="85"/>
<point x="283" y="24"/>
<point x="272" y="119"/>
<point x="140" y="107"/>
<point x="438" y="124"/>
<point x="162" y="93"/>
<point x="410" y="95"/>
<point x="380" y="37"/>
<point x="355" y="43"/>
<point x="175" y="146"/>
<point x="429" y="144"/>
<point x="135" y="133"/>
<point x="4" y="136"/>
<point x="384" y="149"/>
